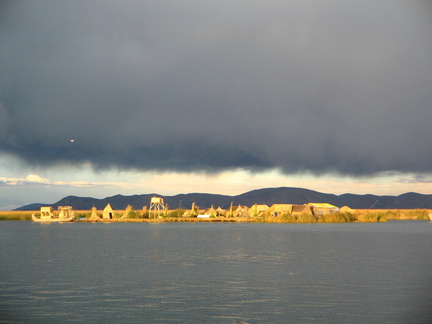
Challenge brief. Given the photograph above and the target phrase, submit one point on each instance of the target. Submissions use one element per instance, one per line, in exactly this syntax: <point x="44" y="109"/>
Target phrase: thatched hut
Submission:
<point x="257" y="210"/>
<point x="346" y="209"/>
<point x="321" y="209"/>
<point x="240" y="211"/>
<point x="220" y="212"/>
<point x="280" y="209"/>
<point x="211" y="211"/>
<point x="301" y="209"/>
<point x="108" y="212"/>
<point x="94" y="216"/>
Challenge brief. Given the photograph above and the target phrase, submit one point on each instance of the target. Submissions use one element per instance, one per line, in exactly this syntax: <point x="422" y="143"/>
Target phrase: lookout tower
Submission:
<point x="156" y="207"/>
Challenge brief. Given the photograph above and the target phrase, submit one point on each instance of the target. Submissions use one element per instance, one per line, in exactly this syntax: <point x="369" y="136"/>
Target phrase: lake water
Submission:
<point x="216" y="272"/>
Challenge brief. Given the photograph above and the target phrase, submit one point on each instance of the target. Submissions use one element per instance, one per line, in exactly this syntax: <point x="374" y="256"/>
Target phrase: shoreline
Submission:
<point x="367" y="217"/>
<point x="174" y="220"/>
<point x="359" y="215"/>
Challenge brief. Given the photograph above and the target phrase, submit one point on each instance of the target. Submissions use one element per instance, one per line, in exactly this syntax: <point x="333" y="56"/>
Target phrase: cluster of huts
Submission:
<point x="316" y="209"/>
<point x="257" y="210"/>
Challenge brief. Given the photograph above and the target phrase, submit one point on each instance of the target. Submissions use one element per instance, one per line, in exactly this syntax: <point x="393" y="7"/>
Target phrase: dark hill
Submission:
<point x="267" y="196"/>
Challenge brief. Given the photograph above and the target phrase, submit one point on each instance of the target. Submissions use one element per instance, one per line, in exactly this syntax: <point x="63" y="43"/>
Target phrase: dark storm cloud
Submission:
<point x="189" y="85"/>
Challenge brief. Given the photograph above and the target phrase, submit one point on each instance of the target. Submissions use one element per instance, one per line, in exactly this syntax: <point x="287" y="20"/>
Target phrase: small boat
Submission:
<point x="47" y="215"/>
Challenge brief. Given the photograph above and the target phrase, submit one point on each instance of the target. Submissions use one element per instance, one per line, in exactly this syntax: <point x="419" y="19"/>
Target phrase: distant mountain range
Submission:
<point x="267" y="196"/>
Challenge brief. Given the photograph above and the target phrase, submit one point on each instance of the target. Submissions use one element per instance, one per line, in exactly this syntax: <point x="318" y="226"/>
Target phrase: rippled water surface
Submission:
<point x="222" y="273"/>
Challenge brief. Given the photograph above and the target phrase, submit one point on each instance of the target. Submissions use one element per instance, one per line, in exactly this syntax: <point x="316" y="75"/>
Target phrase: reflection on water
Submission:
<point x="255" y="273"/>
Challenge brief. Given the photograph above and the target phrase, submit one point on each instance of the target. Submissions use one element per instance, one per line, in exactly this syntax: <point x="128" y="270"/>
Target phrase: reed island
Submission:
<point x="159" y="212"/>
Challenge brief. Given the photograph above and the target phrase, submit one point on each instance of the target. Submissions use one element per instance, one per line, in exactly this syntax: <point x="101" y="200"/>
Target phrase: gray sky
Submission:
<point x="320" y="86"/>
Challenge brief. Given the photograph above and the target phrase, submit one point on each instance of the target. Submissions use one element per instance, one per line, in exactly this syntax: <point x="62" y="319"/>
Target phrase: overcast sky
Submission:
<point x="211" y="88"/>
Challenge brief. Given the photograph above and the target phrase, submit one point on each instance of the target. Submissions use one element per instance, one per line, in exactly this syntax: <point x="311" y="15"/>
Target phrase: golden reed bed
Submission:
<point x="359" y="215"/>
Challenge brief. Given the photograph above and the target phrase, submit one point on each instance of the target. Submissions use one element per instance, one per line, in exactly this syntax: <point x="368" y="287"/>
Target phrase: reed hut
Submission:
<point x="280" y="209"/>
<point x="257" y="210"/>
<point x="321" y="209"/>
<point x="211" y="211"/>
<point x="301" y="209"/>
<point x="241" y="211"/>
<point x="108" y="212"/>
<point x="220" y="212"/>
<point x="346" y="209"/>
<point x="94" y="216"/>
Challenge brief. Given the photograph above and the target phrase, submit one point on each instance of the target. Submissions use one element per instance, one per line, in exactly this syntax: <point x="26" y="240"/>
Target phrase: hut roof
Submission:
<point x="108" y="208"/>
<point x="210" y="211"/>
<point x="259" y="207"/>
<point x="257" y="210"/>
<point x="94" y="215"/>
<point x="282" y="207"/>
<point x="346" y="209"/>
<point x="241" y="211"/>
<point x="323" y="205"/>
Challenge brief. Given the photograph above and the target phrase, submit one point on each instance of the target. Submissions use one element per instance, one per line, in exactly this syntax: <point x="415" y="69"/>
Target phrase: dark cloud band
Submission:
<point x="211" y="86"/>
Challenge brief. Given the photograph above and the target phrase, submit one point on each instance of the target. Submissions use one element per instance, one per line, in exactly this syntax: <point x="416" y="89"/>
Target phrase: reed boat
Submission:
<point x="47" y="215"/>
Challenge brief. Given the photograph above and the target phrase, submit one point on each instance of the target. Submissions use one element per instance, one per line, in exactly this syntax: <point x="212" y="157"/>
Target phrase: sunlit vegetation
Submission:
<point x="16" y="215"/>
<point x="133" y="214"/>
<point x="365" y="216"/>
<point x="177" y="215"/>
<point x="338" y="218"/>
<point x="380" y="215"/>
<point x="416" y="214"/>
<point x="309" y="218"/>
<point x="372" y="217"/>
